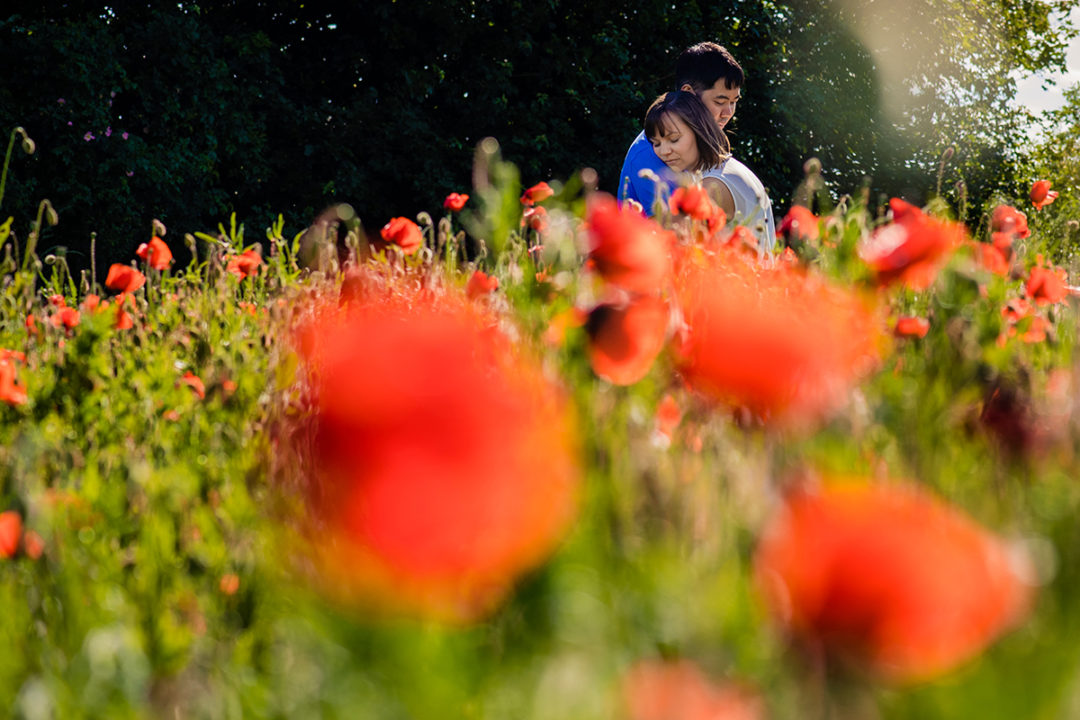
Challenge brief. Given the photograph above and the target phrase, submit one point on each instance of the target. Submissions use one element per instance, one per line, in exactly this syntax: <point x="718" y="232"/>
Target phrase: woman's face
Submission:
<point x="677" y="144"/>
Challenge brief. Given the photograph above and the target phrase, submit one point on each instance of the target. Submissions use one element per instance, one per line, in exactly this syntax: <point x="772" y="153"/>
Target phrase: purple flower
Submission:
<point x="70" y="123"/>
<point x="88" y="136"/>
<point x="130" y="173"/>
<point x="124" y="135"/>
<point x="108" y="131"/>
<point x="61" y="100"/>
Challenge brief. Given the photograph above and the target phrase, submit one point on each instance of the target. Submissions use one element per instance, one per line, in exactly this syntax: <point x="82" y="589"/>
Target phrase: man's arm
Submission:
<point x="632" y="186"/>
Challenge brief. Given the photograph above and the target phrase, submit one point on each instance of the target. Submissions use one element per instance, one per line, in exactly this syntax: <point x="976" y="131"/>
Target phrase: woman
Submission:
<point x="687" y="139"/>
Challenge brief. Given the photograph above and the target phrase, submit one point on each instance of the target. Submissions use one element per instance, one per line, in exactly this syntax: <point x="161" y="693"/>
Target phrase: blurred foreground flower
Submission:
<point x="887" y="578"/>
<point x="911" y="249"/>
<point x="10" y="532"/>
<point x="10" y="393"/>
<point x="627" y="249"/>
<point x="800" y="224"/>
<point x="785" y="345"/>
<point x="444" y="462"/>
<point x="680" y="691"/>
<point x="625" y="339"/>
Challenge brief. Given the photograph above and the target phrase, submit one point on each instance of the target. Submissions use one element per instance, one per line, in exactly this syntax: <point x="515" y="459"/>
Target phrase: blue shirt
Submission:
<point x="639" y="157"/>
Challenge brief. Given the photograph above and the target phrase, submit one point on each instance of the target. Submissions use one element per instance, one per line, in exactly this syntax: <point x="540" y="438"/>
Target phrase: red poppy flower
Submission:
<point x="66" y="317"/>
<point x="33" y="545"/>
<point x="1041" y="194"/>
<point x="91" y="302"/>
<point x="800" y="223"/>
<point x="124" y="278"/>
<point x="481" y="284"/>
<point x="404" y="233"/>
<point x="912" y="327"/>
<point x="31" y="325"/>
<point x="455" y="201"/>
<point x="444" y="461"/>
<point x="887" y="578"/>
<point x="10" y="532"/>
<point x="244" y="265"/>
<point x="911" y="249"/>
<point x="1046" y="285"/>
<point x="57" y="300"/>
<point x="668" y="416"/>
<point x="229" y="584"/>
<point x="537" y="193"/>
<point x="194" y="382"/>
<point x="627" y="249"/>
<point x="1008" y="219"/>
<point x="156" y="253"/>
<point x="693" y="201"/>
<point x="624" y="340"/>
<point x="680" y="691"/>
<point x="785" y="345"/>
<point x="536" y="218"/>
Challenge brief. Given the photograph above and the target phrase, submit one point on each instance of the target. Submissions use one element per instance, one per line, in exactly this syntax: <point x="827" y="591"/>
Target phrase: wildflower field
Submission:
<point x="536" y="455"/>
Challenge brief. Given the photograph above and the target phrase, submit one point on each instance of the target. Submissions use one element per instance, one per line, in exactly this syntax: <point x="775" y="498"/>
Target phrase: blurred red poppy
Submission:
<point x="800" y="223"/>
<point x="194" y="382"/>
<point x="455" y="201"/>
<point x="911" y="248"/>
<point x="537" y="193"/>
<point x="444" y="461"/>
<point x="668" y="416"/>
<point x="785" y="345"/>
<point x="124" y="278"/>
<point x="480" y="284"/>
<point x="10" y="532"/>
<point x="1008" y="219"/>
<point x="33" y="545"/>
<point x="156" y="253"/>
<point x="627" y="249"/>
<point x="625" y="339"/>
<point x="245" y="264"/>
<point x="66" y="317"/>
<point x="912" y="327"/>
<point x="536" y="218"/>
<point x="992" y="258"/>
<point x="888" y="579"/>
<point x="654" y="690"/>
<point x="694" y="201"/>
<point x="1046" y="285"/>
<point x="1041" y="194"/>
<point x="404" y="233"/>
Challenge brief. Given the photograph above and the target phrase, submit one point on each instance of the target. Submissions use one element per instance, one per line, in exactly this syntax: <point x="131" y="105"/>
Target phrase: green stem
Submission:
<point x="7" y="161"/>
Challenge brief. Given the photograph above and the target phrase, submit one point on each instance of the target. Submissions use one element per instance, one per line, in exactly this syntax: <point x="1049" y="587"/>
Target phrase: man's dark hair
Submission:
<point x="703" y="64"/>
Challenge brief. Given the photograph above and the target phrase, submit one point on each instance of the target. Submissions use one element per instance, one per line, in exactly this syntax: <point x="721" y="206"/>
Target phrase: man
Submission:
<point x="709" y="71"/>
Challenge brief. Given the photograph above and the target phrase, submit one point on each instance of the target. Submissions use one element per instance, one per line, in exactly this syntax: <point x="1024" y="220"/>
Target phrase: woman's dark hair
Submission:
<point x="703" y="64"/>
<point x="712" y="143"/>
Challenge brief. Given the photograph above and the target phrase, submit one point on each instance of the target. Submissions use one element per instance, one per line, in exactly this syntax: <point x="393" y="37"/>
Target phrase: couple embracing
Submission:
<point x="684" y="140"/>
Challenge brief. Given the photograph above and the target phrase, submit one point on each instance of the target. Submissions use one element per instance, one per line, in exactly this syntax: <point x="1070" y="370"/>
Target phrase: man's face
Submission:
<point x="720" y="100"/>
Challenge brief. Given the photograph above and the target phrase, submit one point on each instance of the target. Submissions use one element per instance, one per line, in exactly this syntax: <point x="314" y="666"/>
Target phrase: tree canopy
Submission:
<point x="191" y="110"/>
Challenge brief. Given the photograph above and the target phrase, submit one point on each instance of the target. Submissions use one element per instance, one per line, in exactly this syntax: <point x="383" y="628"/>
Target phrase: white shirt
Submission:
<point x="752" y="205"/>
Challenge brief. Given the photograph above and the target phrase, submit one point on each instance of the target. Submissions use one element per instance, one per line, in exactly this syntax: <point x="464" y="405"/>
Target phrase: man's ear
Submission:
<point x="687" y="87"/>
